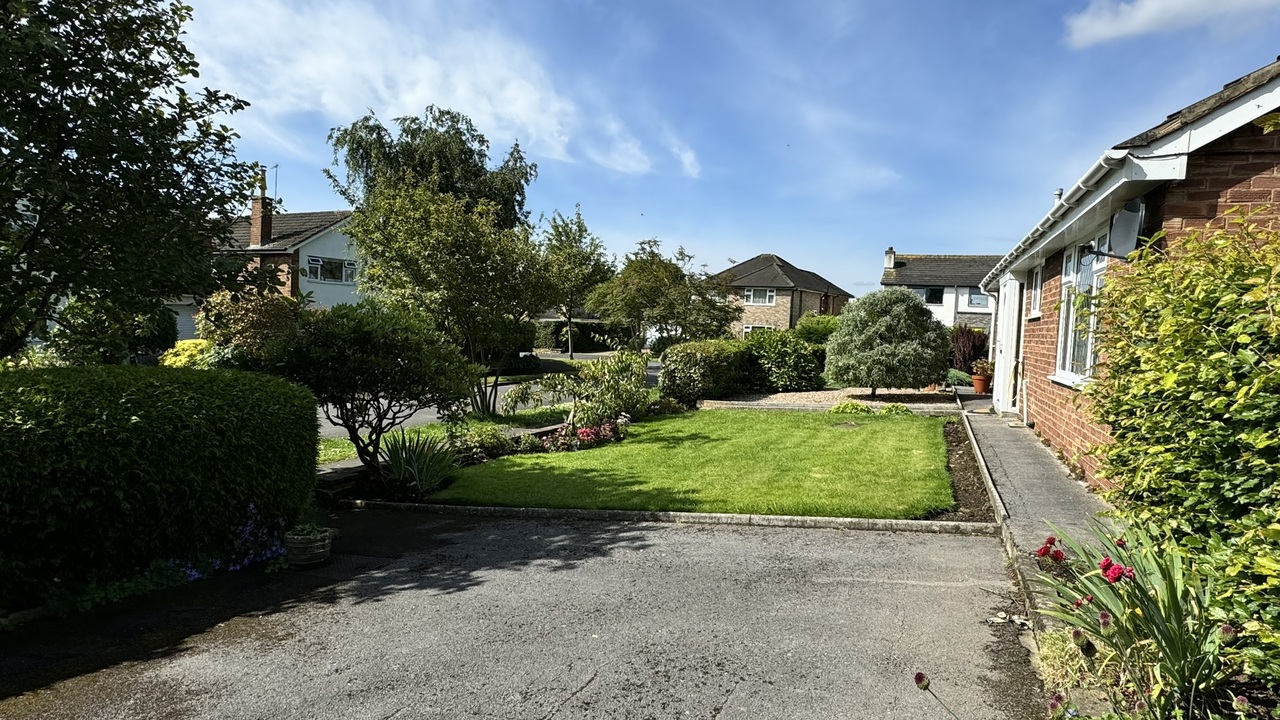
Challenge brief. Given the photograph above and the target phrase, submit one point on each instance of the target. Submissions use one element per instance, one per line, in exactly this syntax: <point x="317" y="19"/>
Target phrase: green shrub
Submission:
<point x="816" y="329"/>
<point x="894" y="409"/>
<point x="372" y="367"/>
<point x="888" y="339"/>
<point x="788" y="363"/>
<point x="187" y="353"/>
<point x="528" y="443"/>
<point x="106" y="471"/>
<point x="478" y="442"/>
<point x="706" y="370"/>
<point x="601" y="392"/>
<point x="589" y="336"/>
<point x="244" y="326"/>
<point x="664" y="406"/>
<point x="1190" y="388"/>
<point x="419" y="462"/>
<point x="93" y="332"/>
<point x="32" y="356"/>
<point x="852" y="407"/>
<point x="544" y="336"/>
<point x="959" y="379"/>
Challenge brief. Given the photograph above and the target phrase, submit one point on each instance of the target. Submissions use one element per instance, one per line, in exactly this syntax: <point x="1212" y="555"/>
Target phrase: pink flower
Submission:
<point x="1105" y="564"/>
<point x="1043" y="551"/>
<point x="1129" y="573"/>
<point x="1051" y="540"/>
<point x="1059" y="556"/>
<point x="1114" y="573"/>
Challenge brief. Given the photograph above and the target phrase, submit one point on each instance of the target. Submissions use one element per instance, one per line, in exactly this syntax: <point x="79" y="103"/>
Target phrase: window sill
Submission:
<point x="1033" y="316"/>
<point x="1069" y="380"/>
<point x="329" y="282"/>
<point x="759" y="304"/>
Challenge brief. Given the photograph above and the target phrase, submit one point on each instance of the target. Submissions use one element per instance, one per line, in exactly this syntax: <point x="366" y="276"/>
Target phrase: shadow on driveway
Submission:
<point x="162" y="624"/>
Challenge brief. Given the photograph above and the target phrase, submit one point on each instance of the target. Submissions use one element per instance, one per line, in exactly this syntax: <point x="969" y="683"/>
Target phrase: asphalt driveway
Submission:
<point x="521" y="619"/>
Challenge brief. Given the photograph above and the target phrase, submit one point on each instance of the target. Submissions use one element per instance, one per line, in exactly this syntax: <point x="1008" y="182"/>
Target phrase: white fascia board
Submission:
<point x="1226" y="119"/>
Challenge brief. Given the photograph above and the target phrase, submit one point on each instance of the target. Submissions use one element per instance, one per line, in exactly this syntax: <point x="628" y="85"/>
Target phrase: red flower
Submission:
<point x="1114" y="573"/>
<point x="1059" y="556"/>
<point x="922" y="681"/>
<point x="1105" y="564"/>
<point x="1051" y="540"/>
<point x="1082" y="601"/>
<point x="1043" y="551"/>
<point x="1120" y="542"/>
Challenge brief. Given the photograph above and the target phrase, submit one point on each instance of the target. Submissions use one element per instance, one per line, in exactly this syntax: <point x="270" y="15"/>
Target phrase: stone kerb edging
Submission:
<point x="788" y="521"/>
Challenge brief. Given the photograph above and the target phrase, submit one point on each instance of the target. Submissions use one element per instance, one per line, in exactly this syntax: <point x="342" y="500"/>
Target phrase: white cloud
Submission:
<point x="622" y="151"/>
<point x="336" y="60"/>
<point x="685" y="154"/>
<point x="1106" y="20"/>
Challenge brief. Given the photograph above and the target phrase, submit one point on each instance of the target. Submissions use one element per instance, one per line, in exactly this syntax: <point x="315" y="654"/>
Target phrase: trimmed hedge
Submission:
<point x="105" y="471"/>
<point x="787" y="362"/>
<point x="707" y="370"/>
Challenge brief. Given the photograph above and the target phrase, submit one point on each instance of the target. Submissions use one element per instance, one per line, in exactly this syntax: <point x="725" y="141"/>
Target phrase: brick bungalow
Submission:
<point x="776" y="294"/>
<point x="1180" y="176"/>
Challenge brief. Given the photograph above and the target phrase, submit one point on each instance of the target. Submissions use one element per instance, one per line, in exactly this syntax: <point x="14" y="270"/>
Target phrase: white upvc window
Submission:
<point x="1082" y="278"/>
<point x="335" y="270"/>
<point x="930" y="295"/>
<point x="759" y="296"/>
<point x="1036" y="290"/>
<point x="748" y="329"/>
<point x="977" y="298"/>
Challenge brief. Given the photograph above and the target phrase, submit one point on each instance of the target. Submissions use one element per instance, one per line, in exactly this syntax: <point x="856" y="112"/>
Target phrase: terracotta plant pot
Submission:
<point x="308" y="550"/>
<point x="981" y="384"/>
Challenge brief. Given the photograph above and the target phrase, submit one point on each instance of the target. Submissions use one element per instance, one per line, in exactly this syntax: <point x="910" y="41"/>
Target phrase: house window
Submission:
<point x="930" y="295"/>
<point x="759" y="296"/>
<point x="1037" y="286"/>
<point x="334" y="270"/>
<point x="977" y="298"/>
<point x="1082" y="277"/>
<point x="748" y="329"/>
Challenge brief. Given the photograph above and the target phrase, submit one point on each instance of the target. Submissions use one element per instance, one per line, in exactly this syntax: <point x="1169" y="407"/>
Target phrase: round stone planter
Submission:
<point x="308" y="550"/>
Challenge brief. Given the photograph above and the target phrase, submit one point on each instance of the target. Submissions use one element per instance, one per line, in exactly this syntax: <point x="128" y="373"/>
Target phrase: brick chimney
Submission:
<point x="260" y="214"/>
<point x="889" y="259"/>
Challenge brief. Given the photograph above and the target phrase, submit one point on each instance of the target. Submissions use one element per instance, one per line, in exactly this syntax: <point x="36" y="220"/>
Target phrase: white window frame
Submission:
<point x="312" y="271"/>
<point x="1068" y="340"/>
<point x="748" y="297"/>
<point x="923" y="292"/>
<point x="748" y="329"/>
<point x="1037" y="292"/>
<point x="969" y="293"/>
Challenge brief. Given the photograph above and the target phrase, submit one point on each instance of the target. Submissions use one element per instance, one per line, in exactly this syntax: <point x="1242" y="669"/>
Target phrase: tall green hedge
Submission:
<point x="1190" y="389"/>
<point x="787" y="362"/>
<point x="707" y="370"/>
<point x="106" y="470"/>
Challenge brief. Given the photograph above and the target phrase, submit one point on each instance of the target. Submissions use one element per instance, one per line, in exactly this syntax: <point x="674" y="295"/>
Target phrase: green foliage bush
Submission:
<point x="187" y="354"/>
<point x="479" y="442"/>
<point x="888" y="339"/>
<point x="894" y="409"/>
<point x="706" y="370"/>
<point x="816" y="329"/>
<point x="589" y="336"/>
<point x="105" y="471"/>
<point x="418" y="462"/>
<point x="787" y="363"/>
<point x="959" y="378"/>
<point x="32" y="356"/>
<point x="601" y="392"/>
<point x="371" y="367"/>
<point x="245" y="326"/>
<point x="91" y="332"/>
<point x="1190" y="388"/>
<point x="852" y="407"/>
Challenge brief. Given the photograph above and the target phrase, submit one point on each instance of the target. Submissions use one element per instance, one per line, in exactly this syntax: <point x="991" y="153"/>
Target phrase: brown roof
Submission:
<point x="1189" y="114"/>
<point x="772" y="271"/>
<point x="288" y="229"/>
<point x="935" y="270"/>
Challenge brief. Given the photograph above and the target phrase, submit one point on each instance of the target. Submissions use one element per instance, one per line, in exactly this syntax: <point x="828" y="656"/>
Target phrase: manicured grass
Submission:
<point x="740" y="461"/>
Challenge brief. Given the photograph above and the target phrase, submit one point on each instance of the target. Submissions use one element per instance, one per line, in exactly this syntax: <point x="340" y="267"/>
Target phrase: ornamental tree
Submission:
<point x="576" y="265"/>
<point x="886" y="339"/>
<point x="117" y="181"/>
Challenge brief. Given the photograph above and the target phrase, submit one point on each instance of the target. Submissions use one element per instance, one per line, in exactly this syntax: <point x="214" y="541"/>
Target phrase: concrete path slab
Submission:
<point x="542" y="619"/>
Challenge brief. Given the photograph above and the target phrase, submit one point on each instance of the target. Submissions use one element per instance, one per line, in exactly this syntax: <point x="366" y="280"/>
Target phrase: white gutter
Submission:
<point x="1111" y="160"/>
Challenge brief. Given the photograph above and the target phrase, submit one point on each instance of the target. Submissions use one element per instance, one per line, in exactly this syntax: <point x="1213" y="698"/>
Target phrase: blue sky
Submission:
<point x="819" y="131"/>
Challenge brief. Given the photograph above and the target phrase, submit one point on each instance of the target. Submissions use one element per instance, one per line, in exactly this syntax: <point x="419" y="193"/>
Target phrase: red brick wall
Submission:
<point x="1242" y="169"/>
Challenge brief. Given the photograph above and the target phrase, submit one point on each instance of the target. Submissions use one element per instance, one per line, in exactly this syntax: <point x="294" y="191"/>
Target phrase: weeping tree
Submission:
<point x="888" y="339"/>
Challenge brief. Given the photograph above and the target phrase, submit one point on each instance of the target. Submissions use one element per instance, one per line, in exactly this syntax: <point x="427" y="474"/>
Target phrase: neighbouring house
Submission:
<point x="1180" y="176"/>
<point x="948" y="284"/>
<point x="775" y="294"/>
<point x="309" y="248"/>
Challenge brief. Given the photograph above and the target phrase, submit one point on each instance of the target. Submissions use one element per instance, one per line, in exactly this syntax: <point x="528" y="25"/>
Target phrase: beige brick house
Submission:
<point x="776" y="294"/>
<point x="1181" y="175"/>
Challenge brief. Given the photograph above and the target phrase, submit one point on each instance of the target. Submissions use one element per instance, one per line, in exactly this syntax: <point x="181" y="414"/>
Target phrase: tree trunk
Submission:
<point x="568" y="320"/>
<point x="873" y="393"/>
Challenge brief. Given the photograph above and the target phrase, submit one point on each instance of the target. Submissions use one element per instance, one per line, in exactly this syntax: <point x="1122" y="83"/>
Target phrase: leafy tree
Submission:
<point x="816" y="328"/>
<point x="117" y="182"/>
<point x="480" y="282"/>
<point x="442" y="145"/>
<point x="576" y="265"/>
<point x="242" y="328"/>
<point x="888" y="339"/>
<point x="371" y="367"/>
<point x="96" y="332"/>
<point x="664" y="295"/>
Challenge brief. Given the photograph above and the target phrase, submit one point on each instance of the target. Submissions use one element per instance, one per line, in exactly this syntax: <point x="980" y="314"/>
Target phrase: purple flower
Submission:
<point x="922" y="681"/>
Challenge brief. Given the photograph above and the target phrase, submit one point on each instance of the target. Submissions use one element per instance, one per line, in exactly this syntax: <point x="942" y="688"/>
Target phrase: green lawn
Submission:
<point x="740" y="461"/>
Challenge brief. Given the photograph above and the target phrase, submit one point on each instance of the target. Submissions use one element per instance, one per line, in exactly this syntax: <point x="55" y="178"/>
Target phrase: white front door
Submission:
<point x="1004" y="390"/>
